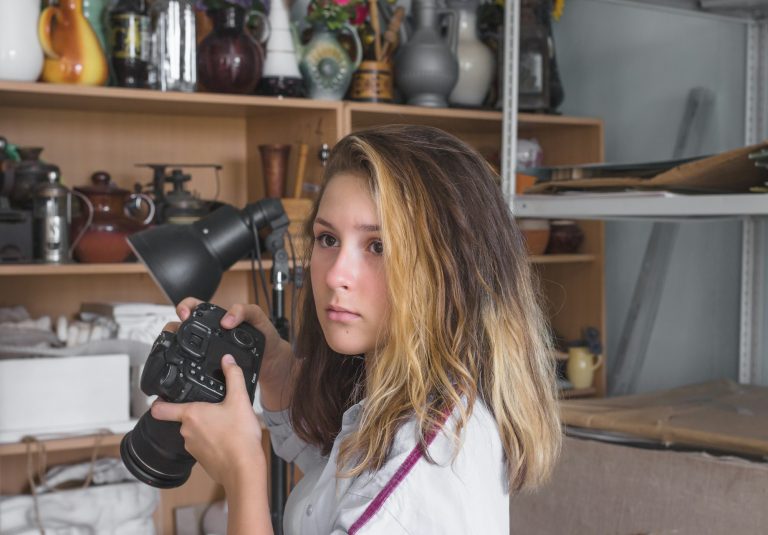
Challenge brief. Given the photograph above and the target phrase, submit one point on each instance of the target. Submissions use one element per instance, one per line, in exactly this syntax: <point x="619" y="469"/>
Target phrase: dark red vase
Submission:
<point x="229" y="60"/>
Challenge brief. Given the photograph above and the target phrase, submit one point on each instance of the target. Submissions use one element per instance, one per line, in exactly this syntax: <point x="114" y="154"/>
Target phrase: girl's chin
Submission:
<point x="346" y="347"/>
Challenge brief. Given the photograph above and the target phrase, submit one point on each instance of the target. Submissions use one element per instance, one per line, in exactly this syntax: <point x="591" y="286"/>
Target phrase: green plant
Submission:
<point x="332" y="13"/>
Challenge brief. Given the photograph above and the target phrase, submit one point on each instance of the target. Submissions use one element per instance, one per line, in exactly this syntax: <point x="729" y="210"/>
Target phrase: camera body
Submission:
<point x="182" y="367"/>
<point x="186" y="365"/>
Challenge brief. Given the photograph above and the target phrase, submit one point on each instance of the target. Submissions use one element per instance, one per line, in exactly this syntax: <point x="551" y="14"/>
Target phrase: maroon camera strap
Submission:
<point x="416" y="454"/>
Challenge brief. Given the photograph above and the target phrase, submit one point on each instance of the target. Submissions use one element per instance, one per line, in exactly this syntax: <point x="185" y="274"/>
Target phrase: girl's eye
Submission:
<point x="377" y="247"/>
<point x="326" y="240"/>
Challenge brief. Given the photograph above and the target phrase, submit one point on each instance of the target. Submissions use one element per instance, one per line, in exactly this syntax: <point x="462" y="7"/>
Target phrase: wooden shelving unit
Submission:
<point x="85" y="129"/>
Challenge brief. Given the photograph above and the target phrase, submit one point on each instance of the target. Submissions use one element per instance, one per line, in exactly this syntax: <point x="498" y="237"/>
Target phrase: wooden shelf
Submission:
<point x="77" y="441"/>
<point x="96" y="269"/>
<point x="118" y="99"/>
<point x="243" y="265"/>
<point x="571" y="393"/>
<point x="408" y="113"/>
<point x="562" y="258"/>
<point x="534" y="120"/>
<point x="85" y="442"/>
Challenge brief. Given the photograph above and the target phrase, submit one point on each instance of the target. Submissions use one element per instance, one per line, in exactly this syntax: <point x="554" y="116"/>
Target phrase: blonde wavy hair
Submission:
<point x="465" y="322"/>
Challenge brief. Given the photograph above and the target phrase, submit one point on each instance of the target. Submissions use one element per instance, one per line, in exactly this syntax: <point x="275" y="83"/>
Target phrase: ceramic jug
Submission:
<point x="104" y="239"/>
<point x="476" y="61"/>
<point x="325" y="65"/>
<point x="229" y="59"/>
<point x="426" y="69"/>
<point x="73" y="53"/>
<point x="581" y="366"/>
<point x="281" y="74"/>
<point x="21" y="57"/>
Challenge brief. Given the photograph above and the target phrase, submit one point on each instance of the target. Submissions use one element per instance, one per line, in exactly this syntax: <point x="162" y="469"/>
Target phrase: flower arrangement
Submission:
<point x="335" y="13"/>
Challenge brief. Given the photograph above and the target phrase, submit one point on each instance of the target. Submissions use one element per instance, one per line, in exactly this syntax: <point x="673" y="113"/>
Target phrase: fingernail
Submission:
<point x="229" y="319"/>
<point x="228" y="359"/>
<point x="184" y="313"/>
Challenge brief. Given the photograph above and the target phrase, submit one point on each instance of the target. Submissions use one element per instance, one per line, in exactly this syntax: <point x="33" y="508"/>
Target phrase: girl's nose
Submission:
<point x="343" y="271"/>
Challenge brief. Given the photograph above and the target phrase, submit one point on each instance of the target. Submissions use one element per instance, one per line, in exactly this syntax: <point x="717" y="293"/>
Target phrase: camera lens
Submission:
<point x="154" y="452"/>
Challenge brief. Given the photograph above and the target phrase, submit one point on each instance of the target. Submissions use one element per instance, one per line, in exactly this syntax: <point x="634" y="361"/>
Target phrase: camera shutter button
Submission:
<point x="243" y="337"/>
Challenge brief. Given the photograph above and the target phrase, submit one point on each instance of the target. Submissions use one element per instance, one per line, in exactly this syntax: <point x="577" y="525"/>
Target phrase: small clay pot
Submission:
<point x="565" y="237"/>
<point x="536" y="233"/>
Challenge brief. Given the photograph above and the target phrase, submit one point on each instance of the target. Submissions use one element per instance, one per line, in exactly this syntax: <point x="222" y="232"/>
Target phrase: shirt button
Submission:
<point x="309" y="510"/>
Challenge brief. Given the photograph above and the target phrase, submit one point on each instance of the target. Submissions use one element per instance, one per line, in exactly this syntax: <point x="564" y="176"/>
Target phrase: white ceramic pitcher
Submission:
<point x="21" y="56"/>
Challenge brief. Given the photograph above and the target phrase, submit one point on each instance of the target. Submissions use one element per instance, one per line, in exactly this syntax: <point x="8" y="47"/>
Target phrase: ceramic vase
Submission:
<point x="325" y="65"/>
<point x="476" y="61"/>
<point x="73" y="53"/>
<point x="281" y="74"/>
<point x="229" y="60"/>
<point x="426" y="69"/>
<point x="21" y="57"/>
<point x="274" y="165"/>
<point x="96" y="13"/>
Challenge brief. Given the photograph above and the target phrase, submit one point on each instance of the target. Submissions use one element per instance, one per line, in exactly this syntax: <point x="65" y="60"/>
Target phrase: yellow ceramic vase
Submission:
<point x="73" y="54"/>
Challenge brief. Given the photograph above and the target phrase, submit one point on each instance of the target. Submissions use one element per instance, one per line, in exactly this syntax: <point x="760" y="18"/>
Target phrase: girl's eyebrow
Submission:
<point x="361" y="227"/>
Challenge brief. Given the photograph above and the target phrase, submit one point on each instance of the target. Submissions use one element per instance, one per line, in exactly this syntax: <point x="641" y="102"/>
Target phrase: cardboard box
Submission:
<point x="720" y="416"/>
<point x="62" y="394"/>
<point x="621" y="477"/>
<point x="611" y="489"/>
<point x="728" y="172"/>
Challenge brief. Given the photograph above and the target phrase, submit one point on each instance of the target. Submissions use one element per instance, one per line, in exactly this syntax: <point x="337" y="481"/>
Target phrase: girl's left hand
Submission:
<point x="225" y="437"/>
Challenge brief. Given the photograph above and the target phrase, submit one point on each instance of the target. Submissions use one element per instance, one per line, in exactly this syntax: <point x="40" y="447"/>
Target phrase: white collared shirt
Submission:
<point x="468" y="495"/>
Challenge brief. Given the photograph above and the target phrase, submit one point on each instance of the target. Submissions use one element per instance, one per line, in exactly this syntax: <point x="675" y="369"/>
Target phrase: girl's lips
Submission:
<point x="341" y="314"/>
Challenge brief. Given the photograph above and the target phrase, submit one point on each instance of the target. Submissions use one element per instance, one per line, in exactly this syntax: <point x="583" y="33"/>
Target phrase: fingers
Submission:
<point x="239" y="313"/>
<point x="186" y="306"/>
<point x="173" y="326"/>
<point x="233" y="376"/>
<point x="171" y="412"/>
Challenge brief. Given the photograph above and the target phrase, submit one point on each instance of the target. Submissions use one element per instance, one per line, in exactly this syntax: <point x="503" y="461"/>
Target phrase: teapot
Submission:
<point x="115" y="217"/>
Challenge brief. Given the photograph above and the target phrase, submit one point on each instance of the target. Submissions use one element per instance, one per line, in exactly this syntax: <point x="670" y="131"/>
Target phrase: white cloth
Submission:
<point x="119" y="509"/>
<point x="469" y="495"/>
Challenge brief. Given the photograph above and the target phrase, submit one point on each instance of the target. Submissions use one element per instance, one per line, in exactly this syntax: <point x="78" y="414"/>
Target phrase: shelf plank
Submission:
<point x="79" y="441"/>
<point x="63" y="444"/>
<point x="362" y="108"/>
<point x="242" y="265"/>
<point x="653" y="205"/>
<point x="534" y="120"/>
<point x="97" y="269"/>
<point x="118" y="99"/>
<point x="562" y="258"/>
<point x="571" y="393"/>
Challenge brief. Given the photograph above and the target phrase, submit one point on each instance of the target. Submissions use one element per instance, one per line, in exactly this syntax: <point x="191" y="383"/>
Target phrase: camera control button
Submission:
<point x="243" y="337"/>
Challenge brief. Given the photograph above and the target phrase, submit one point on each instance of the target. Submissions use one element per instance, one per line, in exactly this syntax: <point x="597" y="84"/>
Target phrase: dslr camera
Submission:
<point x="182" y="367"/>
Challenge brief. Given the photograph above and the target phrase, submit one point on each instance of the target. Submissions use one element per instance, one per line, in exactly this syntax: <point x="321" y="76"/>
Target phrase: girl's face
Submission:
<point x="347" y="266"/>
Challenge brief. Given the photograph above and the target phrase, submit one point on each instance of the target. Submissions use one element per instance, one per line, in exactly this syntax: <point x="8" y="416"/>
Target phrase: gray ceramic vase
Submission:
<point x="426" y="68"/>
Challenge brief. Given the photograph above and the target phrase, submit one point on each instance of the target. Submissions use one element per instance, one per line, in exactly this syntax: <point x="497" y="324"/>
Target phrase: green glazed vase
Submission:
<point x="325" y="65"/>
